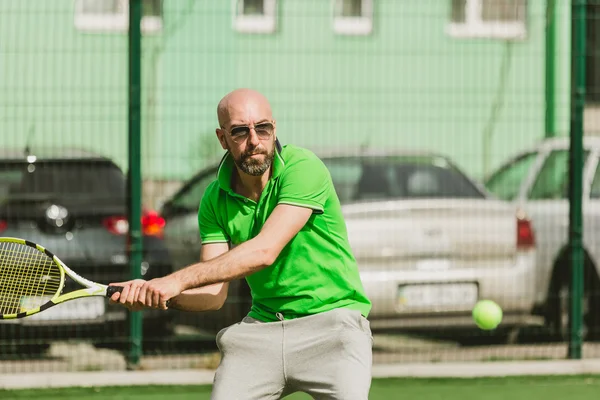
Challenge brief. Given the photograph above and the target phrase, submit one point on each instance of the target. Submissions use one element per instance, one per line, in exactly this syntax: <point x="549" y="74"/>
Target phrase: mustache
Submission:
<point x="254" y="152"/>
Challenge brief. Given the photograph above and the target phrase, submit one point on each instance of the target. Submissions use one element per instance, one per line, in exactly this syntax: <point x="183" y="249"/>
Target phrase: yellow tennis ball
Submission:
<point x="487" y="314"/>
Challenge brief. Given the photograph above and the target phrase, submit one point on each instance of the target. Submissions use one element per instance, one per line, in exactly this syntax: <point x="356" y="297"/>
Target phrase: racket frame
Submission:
<point x="90" y="288"/>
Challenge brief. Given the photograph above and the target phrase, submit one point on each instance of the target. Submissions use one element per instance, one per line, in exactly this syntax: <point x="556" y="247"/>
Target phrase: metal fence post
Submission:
<point x="550" y="84"/>
<point x="578" y="54"/>
<point x="134" y="170"/>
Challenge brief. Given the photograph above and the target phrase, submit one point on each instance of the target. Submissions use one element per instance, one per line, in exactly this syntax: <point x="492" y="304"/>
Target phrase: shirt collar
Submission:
<point x="227" y="166"/>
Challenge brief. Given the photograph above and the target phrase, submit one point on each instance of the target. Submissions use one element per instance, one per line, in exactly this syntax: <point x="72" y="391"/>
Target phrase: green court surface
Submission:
<point x="513" y="388"/>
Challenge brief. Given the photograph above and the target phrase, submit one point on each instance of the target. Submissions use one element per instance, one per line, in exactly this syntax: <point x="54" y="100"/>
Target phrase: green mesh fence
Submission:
<point x="471" y="98"/>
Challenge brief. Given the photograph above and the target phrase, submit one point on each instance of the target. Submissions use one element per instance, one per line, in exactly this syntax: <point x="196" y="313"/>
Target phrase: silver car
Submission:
<point x="428" y="240"/>
<point x="537" y="180"/>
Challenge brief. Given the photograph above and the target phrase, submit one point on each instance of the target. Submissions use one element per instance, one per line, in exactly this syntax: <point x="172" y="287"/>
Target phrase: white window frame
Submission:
<point x="266" y="23"/>
<point x="118" y="22"/>
<point x="362" y="25"/>
<point x="475" y="27"/>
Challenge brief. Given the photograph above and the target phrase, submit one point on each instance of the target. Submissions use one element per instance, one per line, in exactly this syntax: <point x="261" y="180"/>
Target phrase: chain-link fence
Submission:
<point x="444" y="124"/>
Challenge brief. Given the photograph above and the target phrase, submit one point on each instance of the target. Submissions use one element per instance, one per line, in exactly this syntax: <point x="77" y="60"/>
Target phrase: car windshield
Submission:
<point x="23" y="180"/>
<point x="398" y="177"/>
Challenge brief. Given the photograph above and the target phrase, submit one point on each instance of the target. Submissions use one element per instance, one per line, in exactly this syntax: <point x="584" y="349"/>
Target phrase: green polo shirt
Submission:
<point x="316" y="271"/>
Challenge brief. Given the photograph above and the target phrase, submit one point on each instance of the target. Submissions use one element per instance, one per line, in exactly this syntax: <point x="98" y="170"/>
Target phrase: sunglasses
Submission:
<point x="240" y="134"/>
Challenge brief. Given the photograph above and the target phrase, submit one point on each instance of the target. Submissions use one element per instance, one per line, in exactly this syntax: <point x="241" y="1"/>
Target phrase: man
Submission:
<point x="277" y="208"/>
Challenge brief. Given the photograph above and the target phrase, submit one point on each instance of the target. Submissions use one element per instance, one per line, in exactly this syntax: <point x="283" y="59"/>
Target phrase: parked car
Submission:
<point x="537" y="179"/>
<point x="75" y="204"/>
<point x="429" y="242"/>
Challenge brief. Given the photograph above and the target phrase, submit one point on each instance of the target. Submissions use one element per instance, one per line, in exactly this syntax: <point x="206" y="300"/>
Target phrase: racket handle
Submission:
<point x="113" y="289"/>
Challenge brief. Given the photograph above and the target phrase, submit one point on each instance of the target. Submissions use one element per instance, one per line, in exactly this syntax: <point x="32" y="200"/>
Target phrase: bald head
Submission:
<point x="248" y="113"/>
<point x="243" y="106"/>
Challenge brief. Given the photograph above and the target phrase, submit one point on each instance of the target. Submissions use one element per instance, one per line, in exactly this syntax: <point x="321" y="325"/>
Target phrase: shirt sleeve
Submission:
<point x="210" y="229"/>
<point x="305" y="182"/>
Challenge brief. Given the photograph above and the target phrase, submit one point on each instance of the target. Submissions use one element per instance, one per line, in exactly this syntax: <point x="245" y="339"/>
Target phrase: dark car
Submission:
<point x="75" y="205"/>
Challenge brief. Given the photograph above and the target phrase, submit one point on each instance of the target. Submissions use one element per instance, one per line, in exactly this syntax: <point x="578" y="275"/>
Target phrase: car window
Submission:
<point x="23" y="180"/>
<point x="9" y="179"/>
<point x="506" y="182"/>
<point x="595" y="189"/>
<point x="189" y="199"/>
<point x="384" y="178"/>
<point x="552" y="181"/>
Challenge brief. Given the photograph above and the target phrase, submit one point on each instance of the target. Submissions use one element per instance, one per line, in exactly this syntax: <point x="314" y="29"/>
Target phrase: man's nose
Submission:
<point x="253" y="137"/>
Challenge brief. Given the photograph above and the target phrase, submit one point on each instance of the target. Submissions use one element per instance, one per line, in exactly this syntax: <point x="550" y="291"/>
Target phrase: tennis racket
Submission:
<point x="32" y="280"/>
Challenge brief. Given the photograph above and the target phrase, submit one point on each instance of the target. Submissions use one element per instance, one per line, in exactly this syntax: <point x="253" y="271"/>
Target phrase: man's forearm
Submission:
<point x="200" y="299"/>
<point x="239" y="262"/>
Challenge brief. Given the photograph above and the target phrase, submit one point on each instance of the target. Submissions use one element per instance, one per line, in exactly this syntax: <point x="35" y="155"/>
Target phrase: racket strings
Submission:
<point x="26" y="282"/>
<point x="27" y="278"/>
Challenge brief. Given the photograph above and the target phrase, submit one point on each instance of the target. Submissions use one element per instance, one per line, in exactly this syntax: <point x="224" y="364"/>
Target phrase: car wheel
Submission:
<point x="558" y="317"/>
<point x="13" y="351"/>
<point x="156" y="332"/>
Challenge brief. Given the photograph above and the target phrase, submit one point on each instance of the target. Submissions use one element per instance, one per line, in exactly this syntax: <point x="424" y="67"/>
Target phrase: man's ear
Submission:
<point x="221" y="136"/>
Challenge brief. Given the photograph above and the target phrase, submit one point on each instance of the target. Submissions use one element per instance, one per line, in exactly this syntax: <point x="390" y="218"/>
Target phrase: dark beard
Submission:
<point x="252" y="166"/>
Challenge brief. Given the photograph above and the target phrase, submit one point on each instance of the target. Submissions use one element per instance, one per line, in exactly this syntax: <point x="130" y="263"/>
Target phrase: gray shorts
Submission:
<point x="328" y="356"/>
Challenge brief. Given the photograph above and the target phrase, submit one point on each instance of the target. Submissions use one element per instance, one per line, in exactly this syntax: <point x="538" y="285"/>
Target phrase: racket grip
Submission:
<point x="112" y="290"/>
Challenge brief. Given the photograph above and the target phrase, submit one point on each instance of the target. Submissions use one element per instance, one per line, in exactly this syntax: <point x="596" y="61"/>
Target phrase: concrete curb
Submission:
<point x="487" y="369"/>
<point x="108" y="378"/>
<point x="205" y="377"/>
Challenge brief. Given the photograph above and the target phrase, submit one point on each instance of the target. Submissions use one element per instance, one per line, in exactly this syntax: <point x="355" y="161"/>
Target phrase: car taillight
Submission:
<point x="152" y="224"/>
<point x="3" y="225"/>
<point x="116" y="225"/>
<point x="525" y="235"/>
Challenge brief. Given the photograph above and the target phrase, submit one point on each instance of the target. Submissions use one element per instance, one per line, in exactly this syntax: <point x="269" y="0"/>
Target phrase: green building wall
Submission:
<point x="407" y="85"/>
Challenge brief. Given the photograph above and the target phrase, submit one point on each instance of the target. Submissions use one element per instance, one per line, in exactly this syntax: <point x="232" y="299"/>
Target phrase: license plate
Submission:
<point x="437" y="297"/>
<point x="78" y="309"/>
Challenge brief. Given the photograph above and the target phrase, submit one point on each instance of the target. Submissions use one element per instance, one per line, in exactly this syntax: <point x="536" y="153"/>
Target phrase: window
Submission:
<point x="113" y="15"/>
<point x="506" y="182"/>
<point x="505" y="19"/>
<point x="384" y="178"/>
<point x="255" y="16"/>
<point x="20" y="181"/>
<point x="592" y="68"/>
<point x="595" y="189"/>
<point x="188" y="199"/>
<point x="552" y="181"/>
<point x="353" y="17"/>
